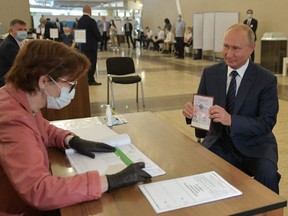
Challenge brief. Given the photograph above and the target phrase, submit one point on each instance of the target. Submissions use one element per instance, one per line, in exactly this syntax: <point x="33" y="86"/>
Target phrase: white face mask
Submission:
<point x="21" y="35"/>
<point x="65" y="97"/>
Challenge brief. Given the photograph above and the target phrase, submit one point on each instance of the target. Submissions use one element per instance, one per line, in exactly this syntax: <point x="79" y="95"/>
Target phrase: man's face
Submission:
<point x="237" y="49"/>
<point x="17" y="27"/>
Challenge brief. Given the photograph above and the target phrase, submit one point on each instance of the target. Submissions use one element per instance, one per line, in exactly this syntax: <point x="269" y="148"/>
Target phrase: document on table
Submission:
<point x="109" y="163"/>
<point x="187" y="191"/>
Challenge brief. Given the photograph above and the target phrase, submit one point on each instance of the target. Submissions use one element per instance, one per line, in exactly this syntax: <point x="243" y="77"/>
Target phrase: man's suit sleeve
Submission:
<point x="262" y="120"/>
<point x="95" y="31"/>
<point x="255" y="25"/>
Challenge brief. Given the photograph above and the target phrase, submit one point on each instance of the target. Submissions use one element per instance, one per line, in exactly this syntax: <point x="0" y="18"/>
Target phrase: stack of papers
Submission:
<point x="109" y="163"/>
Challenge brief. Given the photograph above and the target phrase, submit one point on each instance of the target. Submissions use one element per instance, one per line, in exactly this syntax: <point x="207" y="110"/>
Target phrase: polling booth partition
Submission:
<point x="208" y="31"/>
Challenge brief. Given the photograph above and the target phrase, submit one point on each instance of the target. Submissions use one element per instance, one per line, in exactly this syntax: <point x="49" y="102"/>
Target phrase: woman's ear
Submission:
<point x="42" y="81"/>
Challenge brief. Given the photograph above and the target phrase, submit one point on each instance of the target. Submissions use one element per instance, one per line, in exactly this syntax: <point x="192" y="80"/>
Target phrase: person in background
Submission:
<point x="179" y="34"/>
<point x="67" y="37"/>
<point x="244" y="111"/>
<point x="167" y="24"/>
<point x="113" y="35"/>
<point x="253" y="24"/>
<point x="104" y="31"/>
<point x="90" y="48"/>
<point x="48" y="26"/>
<point x="45" y="74"/>
<point x="168" y="42"/>
<point x="188" y="37"/>
<point x="10" y="46"/>
<point x="41" y="27"/>
<point x="149" y="37"/>
<point x="59" y="26"/>
<point x="75" y="23"/>
<point x="140" y="38"/>
<point x="160" y="39"/>
<point x="128" y="28"/>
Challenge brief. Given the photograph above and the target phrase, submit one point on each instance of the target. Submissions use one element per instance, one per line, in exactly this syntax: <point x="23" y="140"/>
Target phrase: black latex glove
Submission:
<point x="86" y="147"/>
<point x="129" y="176"/>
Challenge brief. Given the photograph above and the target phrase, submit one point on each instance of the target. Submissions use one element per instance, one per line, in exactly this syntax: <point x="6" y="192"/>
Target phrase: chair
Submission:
<point x="121" y="70"/>
<point x="200" y="134"/>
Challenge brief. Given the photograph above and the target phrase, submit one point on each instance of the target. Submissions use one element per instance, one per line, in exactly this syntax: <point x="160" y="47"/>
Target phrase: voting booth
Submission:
<point x="273" y="49"/>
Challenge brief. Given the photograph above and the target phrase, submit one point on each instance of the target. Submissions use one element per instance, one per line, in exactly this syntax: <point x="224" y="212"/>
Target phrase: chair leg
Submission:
<point x="108" y="81"/>
<point x="137" y="92"/>
<point x="143" y="104"/>
<point x="112" y="95"/>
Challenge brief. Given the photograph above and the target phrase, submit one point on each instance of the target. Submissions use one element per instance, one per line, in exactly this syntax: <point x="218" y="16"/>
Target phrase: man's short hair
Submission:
<point x="247" y="29"/>
<point x="17" y="21"/>
<point x="250" y="11"/>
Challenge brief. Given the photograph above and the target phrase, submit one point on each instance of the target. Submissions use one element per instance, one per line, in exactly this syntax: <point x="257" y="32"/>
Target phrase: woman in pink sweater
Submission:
<point x="44" y="74"/>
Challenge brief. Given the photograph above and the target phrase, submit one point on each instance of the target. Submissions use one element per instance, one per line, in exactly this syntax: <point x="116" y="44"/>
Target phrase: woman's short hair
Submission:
<point x="45" y="57"/>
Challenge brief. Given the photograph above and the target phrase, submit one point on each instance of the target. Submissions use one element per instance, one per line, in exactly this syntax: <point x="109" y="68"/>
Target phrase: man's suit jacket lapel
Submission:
<point x="245" y="87"/>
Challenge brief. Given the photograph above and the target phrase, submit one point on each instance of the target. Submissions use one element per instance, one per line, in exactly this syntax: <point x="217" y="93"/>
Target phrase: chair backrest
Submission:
<point x="120" y="65"/>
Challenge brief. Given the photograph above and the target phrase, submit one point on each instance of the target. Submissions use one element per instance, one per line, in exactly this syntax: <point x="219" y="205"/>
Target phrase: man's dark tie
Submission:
<point x="231" y="93"/>
<point x="226" y="142"/>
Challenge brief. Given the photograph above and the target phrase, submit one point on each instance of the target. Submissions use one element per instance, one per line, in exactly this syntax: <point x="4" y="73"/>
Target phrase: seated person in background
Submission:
<point x="140" y="38"/>
<point x="160" y="39"/>
<point x="188" y="38"/>
<point x="149" y="37"/>
<point x="67" y="37"/>
<point x="169" y="41"/>
<point x="44" y="74"/>
<point x="244" y="111"/>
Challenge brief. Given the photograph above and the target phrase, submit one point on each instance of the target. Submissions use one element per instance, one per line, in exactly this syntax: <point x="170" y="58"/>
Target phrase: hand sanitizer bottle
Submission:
<point x="108" y="115"/>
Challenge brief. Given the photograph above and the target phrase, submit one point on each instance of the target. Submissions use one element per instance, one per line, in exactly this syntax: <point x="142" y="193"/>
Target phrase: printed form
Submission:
<point x="187" y="191"/>
<point x="109" y="163"/>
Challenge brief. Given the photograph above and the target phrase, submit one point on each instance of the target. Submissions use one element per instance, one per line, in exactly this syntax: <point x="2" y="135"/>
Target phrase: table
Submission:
<point x="179" y="156"/>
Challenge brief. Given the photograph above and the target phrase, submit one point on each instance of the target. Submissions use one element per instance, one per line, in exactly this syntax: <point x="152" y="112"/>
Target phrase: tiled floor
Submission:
<point x="168" y="84"/>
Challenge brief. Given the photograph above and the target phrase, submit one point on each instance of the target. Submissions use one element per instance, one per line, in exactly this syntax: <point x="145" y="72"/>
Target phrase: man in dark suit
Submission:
<point x="128" y="28"/>
<point x="253" y="24"/>
<point x="104" y="32"/>
<point x="75" y="23"/>
<point x="242" y="133"/>
<point x="60" y="26"/>
<point x="10" y="46"/>
<point x="92" y="38"/>
<point x="48" y="25"/>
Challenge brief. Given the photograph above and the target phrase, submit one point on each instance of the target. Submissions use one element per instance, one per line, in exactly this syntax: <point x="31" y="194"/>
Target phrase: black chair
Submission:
<point x="121" y="70"/>
<point x="200" y="134"/>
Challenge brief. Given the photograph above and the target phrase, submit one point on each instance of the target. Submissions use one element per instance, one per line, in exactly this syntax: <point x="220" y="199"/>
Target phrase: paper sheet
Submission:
<point x="109" y="163"/>
<point x="187" y="191"/>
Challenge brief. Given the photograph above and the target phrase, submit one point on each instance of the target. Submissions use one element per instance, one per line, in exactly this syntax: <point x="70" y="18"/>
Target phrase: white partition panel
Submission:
<point x="197" y="30"/>
<point x="208" y="31"/>
<point x="223" y="20"/>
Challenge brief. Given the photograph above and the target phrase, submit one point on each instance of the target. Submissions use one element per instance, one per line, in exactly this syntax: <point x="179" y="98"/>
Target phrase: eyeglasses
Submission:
<point x="73" y="84"/>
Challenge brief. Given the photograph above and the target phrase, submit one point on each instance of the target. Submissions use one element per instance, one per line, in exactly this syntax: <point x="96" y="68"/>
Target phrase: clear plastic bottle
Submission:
<point x="108" y="115"/>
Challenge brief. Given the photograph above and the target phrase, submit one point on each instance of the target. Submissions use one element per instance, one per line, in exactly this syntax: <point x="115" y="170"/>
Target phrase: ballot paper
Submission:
<point x="187" y="191"/>
<point x="109" y="163"/>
